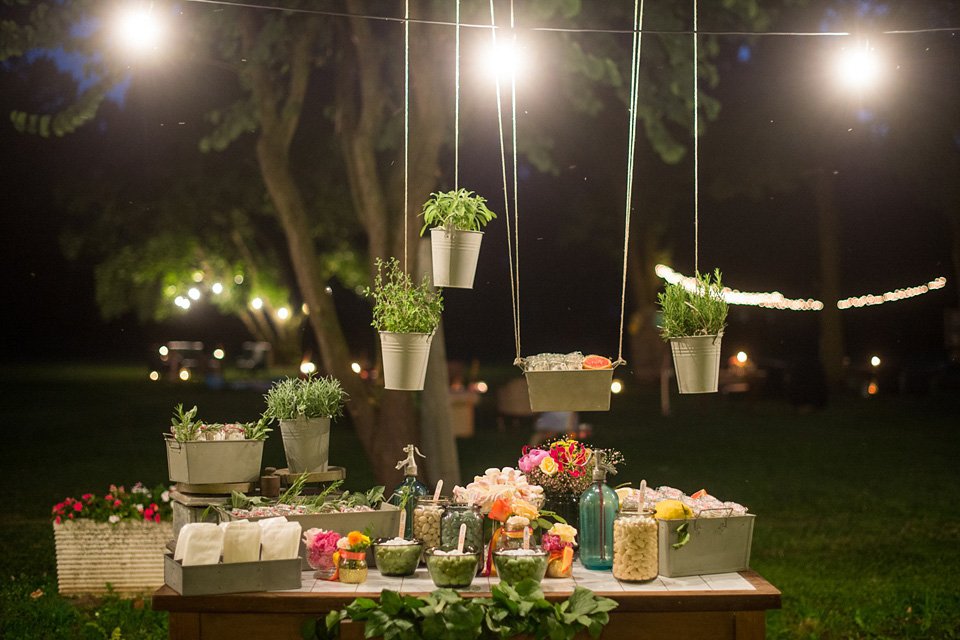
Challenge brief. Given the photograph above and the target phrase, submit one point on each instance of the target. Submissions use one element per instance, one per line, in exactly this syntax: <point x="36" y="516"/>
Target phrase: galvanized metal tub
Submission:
<point x="200" y="462"/>
<point x="578" y="390"/>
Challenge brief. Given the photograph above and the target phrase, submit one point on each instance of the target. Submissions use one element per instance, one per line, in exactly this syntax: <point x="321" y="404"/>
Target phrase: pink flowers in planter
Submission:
<point x="321" y="545"/>
<point x="140" y="503"/>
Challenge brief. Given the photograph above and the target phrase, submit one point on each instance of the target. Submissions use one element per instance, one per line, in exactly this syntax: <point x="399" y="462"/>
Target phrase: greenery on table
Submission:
<point x="399" y="305"/>
<point x="701" y="312"/>
<point x="456" y="210"/>
<point x="314" y="503"/>
<point x="446" y="615"/>
<point x="186" y="426"/>
<point x="312" y="397"/>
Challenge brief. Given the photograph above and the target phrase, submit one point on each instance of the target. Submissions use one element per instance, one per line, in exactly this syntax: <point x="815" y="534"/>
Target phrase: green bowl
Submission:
<point x="397" y="559"/>
<point x="453" y="571"/>
<point x="513" y="567"/>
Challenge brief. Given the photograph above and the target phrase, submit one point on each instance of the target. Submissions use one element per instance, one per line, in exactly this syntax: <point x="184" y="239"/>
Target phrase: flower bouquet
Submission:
<point x="564" y="468"/>
<point x="559" y="542"/>
<point x="322" y="552"/>
<point x="353" y="557"/>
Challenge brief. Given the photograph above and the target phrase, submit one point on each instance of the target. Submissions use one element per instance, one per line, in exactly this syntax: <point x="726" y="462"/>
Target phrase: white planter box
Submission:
<point x="128" y="555"/>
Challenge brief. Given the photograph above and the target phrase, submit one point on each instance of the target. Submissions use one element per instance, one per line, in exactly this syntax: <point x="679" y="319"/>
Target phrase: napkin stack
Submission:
<point x="238" y="541"/>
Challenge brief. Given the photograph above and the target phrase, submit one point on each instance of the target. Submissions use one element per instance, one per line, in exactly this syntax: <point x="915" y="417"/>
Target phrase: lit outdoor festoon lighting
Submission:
<point x="742" y="357"/>
<point x="217" y="288"/>
<point x="859" y="67"/>
<point x="194" y="293"/>
<point x="256" y="303"/>
<point x="616" y="386"/>
<point x="140" y="30"/>
<point x="307" y="368"/>
<point x="504" y="59"/>
<point x="283" y="313"/>
<point x="355" y="367"/>
<point x="218" y="354"/>
<point x="875" y="361"/>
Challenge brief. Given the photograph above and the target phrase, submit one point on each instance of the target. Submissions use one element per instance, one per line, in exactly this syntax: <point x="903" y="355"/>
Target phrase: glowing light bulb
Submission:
<point x="194" y="293"/>
<point x="355" y="367"/>
<point x="184" y="374"/>
<point x="307" y="368"/>
<point x="217" y="288"/>
<point x="238" y="279"/>
<point x="741" y="357"/>
<point x="198" y="276"/>
<point x="140" y="30"/>
<point x="283" y="313"/>
<point x="163" y="350"/>
<point x="154" y="375"/>
<point x="218" y="354"/>
<point x="256" y="303"/>
<point x="859" y="68"/>
<point x="616" y="386"/>
<point x="504" y="58"/>
<point x="875" y="361"/>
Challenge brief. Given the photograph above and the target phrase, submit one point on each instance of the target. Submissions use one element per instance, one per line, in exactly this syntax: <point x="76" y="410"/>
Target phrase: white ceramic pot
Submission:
<point x="405" y="359"/>
<point x="696" y="360"/>
<point x="455" y="254"/>
<point x="306" y="444"/>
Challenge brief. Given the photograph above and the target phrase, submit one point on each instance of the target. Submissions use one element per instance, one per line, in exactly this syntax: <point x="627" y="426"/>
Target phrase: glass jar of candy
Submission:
<point x="635" y="545"/>
<point x="453" y="516"/>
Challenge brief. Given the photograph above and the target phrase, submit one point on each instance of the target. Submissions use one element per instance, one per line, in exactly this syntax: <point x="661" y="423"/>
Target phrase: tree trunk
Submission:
<point x="828" y="231"/>
<point x="646" y="347"/>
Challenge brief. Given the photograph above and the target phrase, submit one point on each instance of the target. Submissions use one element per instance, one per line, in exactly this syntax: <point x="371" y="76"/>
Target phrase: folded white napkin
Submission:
<point x="241" y="541"/>
<point x="280" y="541"/>
<point x="199" y="543"/>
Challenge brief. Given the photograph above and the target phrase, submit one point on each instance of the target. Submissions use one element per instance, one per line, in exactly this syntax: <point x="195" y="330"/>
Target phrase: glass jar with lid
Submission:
<point x="461" y="513"/>
<point x="426" y="521"/>
<point x="635" y="545"/>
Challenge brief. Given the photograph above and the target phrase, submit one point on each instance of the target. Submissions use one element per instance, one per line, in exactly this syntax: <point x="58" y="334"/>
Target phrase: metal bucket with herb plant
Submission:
<point x="304" y="408"/>
<point x="200" y="453"/>
<point x="456" y="218"/>
<point x="406" y="315"/>
<point x="694" y="316"/>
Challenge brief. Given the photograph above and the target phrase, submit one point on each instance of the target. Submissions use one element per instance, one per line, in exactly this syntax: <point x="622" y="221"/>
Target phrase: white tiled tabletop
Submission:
<point x="420" y="582"/>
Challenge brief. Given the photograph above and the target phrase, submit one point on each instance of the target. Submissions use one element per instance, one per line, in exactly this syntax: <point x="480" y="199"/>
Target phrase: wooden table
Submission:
<point x="729" y="606"/>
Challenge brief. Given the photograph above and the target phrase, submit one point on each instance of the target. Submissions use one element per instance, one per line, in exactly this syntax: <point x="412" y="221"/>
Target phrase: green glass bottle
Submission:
<point x="598" y="509"/>
<point x="408" y="492"/>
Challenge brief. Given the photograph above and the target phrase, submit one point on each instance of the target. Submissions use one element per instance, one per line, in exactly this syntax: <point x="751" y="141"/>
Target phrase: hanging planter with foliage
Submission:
<point x="406" y="315"/>
<point x="456" y="218"/>
<point x="694" y="316"/>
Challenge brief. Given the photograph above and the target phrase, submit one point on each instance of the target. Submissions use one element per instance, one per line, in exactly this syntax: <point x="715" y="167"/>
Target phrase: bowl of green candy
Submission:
<point x="397" y="556"/>
<point x="513" y="565"/>
<point x="452" y="568"/>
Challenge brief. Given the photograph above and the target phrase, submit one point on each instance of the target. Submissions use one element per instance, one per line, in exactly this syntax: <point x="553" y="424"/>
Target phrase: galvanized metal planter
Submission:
<point x="455" y="253"/>
<point x="578" y="390"/>
<point x="405" y="357"/>
<point x="696" y="359"/>
<point x="237" y="577"/>
<point x="306" y="444"/>
<point x="199" y="462"/>
<point x="127" y="555"/>
<point x="716" y="545"/>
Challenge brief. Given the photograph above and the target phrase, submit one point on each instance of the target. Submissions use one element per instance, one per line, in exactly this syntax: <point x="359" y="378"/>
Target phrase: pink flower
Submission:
<point x="147" y="513"/>
<point x="156" y="518"/>
<point x="117" y="503"/>
<point x="87" y="497"/>
<point x="531" y="459"/>
<point x="77" y="506"/>
<point x="57" y="519"/>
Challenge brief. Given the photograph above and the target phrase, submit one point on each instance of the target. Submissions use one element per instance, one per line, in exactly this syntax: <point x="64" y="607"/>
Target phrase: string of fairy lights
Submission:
<point x="776" y="300"/>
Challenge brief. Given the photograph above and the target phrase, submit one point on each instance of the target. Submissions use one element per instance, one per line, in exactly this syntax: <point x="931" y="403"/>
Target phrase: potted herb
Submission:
<point x="406" y="315"/>
<point x="456" y="218"/>
<point x="694" y="316"/>
<point x="213" y="453"/>
<point x="304" y="408"/>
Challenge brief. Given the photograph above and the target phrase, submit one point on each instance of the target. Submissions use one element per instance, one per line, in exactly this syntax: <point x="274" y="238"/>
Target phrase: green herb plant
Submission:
<point x="456" y="210"/>
<point x="185" y="425"/>
<point x="400" y="306"/>
<point x="701" y="312"/>
<point x="446" y="615"/>
<point x="312" y="397"/>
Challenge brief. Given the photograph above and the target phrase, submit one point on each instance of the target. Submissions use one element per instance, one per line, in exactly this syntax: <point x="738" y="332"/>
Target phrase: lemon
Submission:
<point x="672" y="510"/>
<point x="624" y="493"/>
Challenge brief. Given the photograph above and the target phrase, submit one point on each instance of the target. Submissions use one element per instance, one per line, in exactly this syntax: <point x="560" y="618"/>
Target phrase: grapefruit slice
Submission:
<point x="596" y="362"/>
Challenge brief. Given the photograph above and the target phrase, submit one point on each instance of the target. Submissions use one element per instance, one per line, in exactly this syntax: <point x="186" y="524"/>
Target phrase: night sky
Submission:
<point x="779" y="108"/>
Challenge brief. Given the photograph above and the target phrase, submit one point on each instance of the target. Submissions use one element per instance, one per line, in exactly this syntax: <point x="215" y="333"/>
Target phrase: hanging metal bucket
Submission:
<point x="306" y="444"/>
<point x="696" y="360"/>
<point x="455" y="253"/>
<point x="405" y="358"/>
<point x="578" y="390"/>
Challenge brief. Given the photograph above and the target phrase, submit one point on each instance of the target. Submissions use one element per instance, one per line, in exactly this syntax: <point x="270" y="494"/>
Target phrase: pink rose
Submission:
<point x="531" y="459"/>
<point x="77" y="506"/>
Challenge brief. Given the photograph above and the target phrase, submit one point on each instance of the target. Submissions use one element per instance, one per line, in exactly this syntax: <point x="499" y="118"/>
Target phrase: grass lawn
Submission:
<point x="857" y="522"/>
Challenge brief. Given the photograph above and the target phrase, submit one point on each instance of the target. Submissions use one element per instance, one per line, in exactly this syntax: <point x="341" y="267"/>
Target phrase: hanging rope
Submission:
<point x="406" y="126"/>
<point x="516" y="189"/>
<point x="514" y="284"/>
<point x="631" y="146"/>
<point x="456" y="110"/>
<point x="696" y="150"/>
